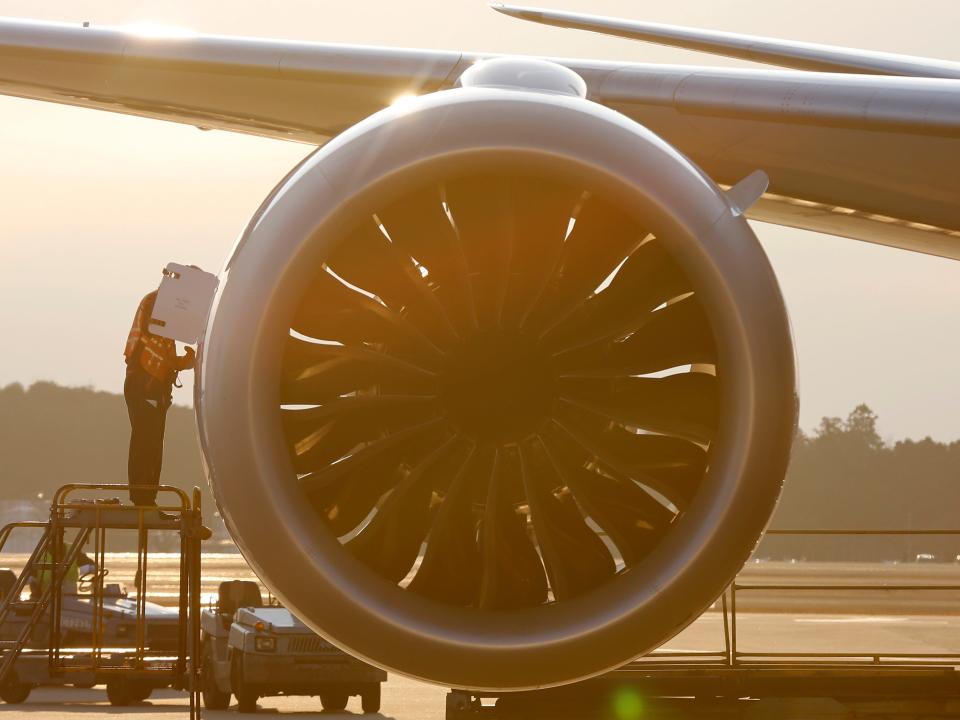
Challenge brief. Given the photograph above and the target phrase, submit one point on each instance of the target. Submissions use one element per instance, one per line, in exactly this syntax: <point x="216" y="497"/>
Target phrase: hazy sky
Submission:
<point x="92" y="205"/>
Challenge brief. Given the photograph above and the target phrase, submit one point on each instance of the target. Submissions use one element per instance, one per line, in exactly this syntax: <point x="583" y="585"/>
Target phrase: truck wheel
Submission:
<point x="334" y="699"/>
<point x="246" y="699"/>
<point x="121" y="692"/>
<point x="15" y="692"/>
<point x="8" y="581"/>
<point x="213" y="697"/>
<point x="246" y="696"/>
<point x="118" y="692"/>
<point x="370" y="698"/>
<point x="459" y="705"/>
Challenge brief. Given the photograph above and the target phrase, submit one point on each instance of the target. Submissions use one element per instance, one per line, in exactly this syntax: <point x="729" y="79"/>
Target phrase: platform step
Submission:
<point x="24" y="605"/>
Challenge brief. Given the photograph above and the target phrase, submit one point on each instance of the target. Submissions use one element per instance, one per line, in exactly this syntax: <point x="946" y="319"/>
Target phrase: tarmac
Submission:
<point x="933" y="628"/>
<point x="405" y="699"/>
<point x="402" y="699"/>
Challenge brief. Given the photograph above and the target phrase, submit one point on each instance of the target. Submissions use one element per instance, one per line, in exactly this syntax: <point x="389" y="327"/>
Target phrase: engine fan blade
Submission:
<point x="451" y="568"/>
<point x="332" y="311"/>
<point x="672" y="466"/>
<point x="420" y="226"/>
<point x="326" y="433"/>
<point x="634" y="521"/>
<point x="391" y="540"/>
<point x="482" y="208"/>
<point x="575" y="558"/>
<point x="542" y="213"/>
<point x="315" y="373"/>
<point x="602" y="237"/>
<point x="368" y="259"/>
<point x="684" y="405"/>
<point x="346" y="491"/>
<point x="679" y="334"/>
<point x="646" y="279"/>
<point x="513" y="574"/>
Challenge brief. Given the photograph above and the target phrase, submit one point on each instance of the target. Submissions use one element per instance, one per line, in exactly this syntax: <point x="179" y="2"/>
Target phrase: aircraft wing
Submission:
<point x="290" y="90"/>
<point x="782" y="53"/>
<point x="868" y="157"/>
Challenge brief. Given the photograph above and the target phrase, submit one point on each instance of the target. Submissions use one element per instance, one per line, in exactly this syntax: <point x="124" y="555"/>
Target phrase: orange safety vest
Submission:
<point x="157" y="355"/>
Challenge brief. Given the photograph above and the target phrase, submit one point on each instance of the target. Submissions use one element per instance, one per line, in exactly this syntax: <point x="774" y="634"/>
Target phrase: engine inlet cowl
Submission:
<point x="498" y="391"/>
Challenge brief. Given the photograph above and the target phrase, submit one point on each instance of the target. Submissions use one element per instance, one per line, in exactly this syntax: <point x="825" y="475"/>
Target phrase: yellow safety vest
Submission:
<point x="46" y="574"/>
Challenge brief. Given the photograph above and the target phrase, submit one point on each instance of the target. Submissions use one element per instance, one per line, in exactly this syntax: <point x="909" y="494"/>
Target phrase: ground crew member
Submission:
<point x="152" y="368"/>
<point x="80" y="566"/>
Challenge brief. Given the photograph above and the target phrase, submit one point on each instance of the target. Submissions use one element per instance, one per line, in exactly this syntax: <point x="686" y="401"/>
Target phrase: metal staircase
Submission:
<point x="32" y="632"/>
<point x="50" y="557"/>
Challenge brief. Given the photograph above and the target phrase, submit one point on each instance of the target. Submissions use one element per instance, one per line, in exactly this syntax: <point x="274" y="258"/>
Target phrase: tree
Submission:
<point x="843" y="476"/>
<point x="862" y="425"/>
<point x="829" y="427"/>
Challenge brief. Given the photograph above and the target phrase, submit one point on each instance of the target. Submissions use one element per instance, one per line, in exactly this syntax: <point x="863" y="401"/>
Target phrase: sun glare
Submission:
<point x="402" y="100"/>
<point x="158" y="31"/>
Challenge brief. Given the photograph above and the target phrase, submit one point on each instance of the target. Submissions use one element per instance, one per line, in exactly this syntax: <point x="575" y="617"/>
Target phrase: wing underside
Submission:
<point x="871" y="158"/>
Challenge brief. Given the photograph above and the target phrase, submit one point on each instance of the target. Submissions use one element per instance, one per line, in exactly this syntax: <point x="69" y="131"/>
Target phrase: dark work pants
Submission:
<point x="147" y="421"/>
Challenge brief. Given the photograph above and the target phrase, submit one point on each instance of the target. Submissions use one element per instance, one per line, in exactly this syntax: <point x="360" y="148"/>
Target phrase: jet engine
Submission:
<point x="498" y="387"/>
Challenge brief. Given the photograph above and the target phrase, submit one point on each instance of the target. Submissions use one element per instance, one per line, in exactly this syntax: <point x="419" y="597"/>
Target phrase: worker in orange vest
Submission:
<point x="152" y="369"/>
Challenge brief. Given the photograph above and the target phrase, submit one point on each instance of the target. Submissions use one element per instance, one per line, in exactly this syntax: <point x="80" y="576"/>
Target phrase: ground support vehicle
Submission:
<point x="252" y="651"/>
<point x="60" y="634"/>
<point x="119" y="608"/>
<point x="129" y="679"/>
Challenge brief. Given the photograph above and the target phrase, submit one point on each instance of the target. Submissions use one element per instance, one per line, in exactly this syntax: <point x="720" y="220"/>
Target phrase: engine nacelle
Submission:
<point x="498" y="390"/>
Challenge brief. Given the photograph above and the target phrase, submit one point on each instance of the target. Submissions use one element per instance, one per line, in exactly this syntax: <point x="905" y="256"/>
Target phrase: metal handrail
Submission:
<point x="862" y="532"/>
<point x="59" y="498"/>
<point x="97" y="518"/>
<point x="864" y="586"/>
<point x="736" y="657"/>
<point x="873" y="655"/>
<point x="10" y="527"/>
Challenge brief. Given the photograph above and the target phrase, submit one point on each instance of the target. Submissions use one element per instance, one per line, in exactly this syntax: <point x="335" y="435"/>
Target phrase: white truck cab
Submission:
<point x="251" y="651"/>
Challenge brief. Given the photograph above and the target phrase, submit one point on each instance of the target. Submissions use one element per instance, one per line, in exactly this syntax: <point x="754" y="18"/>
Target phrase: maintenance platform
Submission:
<point x="58" y="628"/>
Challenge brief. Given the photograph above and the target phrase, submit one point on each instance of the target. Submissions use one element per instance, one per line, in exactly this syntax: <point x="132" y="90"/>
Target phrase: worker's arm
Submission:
<point x="187" y="360"/>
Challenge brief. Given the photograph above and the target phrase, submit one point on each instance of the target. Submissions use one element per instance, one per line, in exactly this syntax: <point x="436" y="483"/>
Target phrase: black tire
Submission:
<point x="14" y="693"/>
<point x="118" y="693"/>
<point x="246" y="700"/>
<point x="334" y="699"/>
<point x="246" y="696"/>
<point x="459" y="705"/>
<point x="122" y="692"/>
<point x="213" y="697"/>
<point x="370" y="698"/>
<point x="8" y="581"/>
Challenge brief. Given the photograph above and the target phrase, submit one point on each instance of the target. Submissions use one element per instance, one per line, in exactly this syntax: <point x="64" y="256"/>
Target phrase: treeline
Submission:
<point x="842" y="476"/>
<point x="52" y="435"/>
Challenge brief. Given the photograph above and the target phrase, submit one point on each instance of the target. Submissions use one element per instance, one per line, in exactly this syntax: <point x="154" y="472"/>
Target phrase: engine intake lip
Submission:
<point x="251" y="469"/>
